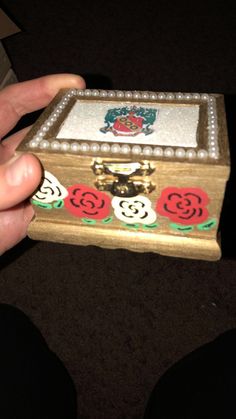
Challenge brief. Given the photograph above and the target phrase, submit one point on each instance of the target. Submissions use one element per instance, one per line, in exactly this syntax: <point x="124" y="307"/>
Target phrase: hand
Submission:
<point x="19" y="177"/>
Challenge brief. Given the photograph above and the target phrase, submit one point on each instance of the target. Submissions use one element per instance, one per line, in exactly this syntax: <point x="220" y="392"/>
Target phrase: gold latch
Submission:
<point x="124" y="179"/>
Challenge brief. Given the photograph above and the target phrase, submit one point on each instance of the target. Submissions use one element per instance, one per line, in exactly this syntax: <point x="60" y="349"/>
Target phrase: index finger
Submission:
<point x="19" y="99"/>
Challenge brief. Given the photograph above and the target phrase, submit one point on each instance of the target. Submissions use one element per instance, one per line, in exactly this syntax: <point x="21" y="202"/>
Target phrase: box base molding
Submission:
<point x="163" y="244"/>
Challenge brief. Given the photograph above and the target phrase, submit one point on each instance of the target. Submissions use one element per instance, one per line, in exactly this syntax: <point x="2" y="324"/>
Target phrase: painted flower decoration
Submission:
<point x="51" y="190"/>
<point x="134" y="210"/>
<point x="183" y="205"/>
<point x="85" y="202"/>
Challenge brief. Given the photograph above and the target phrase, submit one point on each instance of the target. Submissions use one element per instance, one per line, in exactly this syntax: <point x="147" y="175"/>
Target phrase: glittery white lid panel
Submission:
<point x="174" y="126"/>
<point x="142" y="124"/>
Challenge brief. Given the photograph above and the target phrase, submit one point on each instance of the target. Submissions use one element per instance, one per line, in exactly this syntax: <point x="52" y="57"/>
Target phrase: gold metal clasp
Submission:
<point x="124" y="179"/>
<point x="143" y="168"/>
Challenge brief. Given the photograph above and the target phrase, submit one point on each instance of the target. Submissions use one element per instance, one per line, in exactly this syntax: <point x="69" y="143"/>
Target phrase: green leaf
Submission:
<point x="107" y="220"/>
<point x="41" y="204"/>
<point x="181" y="228"/>
<point x="208" y="225"/>
<point x="150" y="226"/>
<point x="59" y="204"/>
<point x="132" y="226"/>
<point x="88" y="221"/>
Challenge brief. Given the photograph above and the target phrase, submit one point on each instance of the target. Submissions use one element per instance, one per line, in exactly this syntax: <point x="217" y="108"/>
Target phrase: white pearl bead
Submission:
<point x="153" y="96"/>
<point x="136" y="95"/>
<point x="45" y="128"/>
<point x="128" y="95"/>
<point x="180" y="152"/>
<point x="94" y="147"/>
<point x="40" y="134"/>
<point x="190" y="154"/>
<point x="65" y="146"/>
<point x="188" y="96"/>
<point x="169" y="152"/>
<point x="214" y="147"/>
<point x="44" y="144"/>
<point x="105" y="148"/>
<point x="111" y="94"/>
<point x="145" y="95"/>
<point x="84" y="147"/>
<point x="103" y="93"/>
<point x="205" y="96"/>
<point x="95" y="92"/>
<point x="33" y="144"/>
<point x="125" y="149"/>
<point x="179" y="95"/>
<point x="87" y="92"/>
<point x="212" y="119"/>
<point x="212" y="124"/>
<point x="158" y="151"/>
<point x="196" y="96"/>
<point x="55" y="145"/>
<point x="115" y="148"/>
<point x="136" y="149"/>
<point x="213" y="154"/>
<point x="74" y="147"/>
<point x="120" y="94"/>
<point x="81" y="92"/>
<point x="170" y="96"/>
<point x="147" y="151"/>
<point x="161" y="96"/>
<point x="202" y="154"/>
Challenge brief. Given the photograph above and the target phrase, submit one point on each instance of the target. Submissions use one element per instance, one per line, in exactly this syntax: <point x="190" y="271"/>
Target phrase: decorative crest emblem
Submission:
<point x="129" y="121"/>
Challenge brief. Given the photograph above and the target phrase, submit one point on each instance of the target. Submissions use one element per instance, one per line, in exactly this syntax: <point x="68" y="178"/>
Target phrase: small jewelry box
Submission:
<point x="143" y="171"/>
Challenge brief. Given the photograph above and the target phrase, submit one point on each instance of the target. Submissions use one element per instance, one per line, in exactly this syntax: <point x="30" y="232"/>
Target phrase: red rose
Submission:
<point x="86" y="202"/>
<point x="183" y="205"/>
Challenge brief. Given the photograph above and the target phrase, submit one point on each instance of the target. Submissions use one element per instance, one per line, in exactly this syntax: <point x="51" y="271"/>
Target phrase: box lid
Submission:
<point x="179" y="127"/>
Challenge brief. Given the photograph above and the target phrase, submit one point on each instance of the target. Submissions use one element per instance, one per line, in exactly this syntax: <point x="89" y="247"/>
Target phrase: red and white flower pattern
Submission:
<point x="132" y="210"/>
<point x="183" y="205"/>
<point x="86" y="202"/>
<point x="51" y="190"/>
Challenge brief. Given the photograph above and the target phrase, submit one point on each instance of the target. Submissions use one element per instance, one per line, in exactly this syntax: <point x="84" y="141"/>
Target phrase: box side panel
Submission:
<point x="179" y="217"/>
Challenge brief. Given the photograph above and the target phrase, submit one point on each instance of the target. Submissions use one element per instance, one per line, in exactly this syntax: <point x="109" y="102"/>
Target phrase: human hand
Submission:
<point x="20" y="176"/>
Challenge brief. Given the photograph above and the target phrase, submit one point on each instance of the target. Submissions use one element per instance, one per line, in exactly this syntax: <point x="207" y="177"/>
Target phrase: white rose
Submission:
<point x="134" y="210"/>
<point x="51" y="190"/>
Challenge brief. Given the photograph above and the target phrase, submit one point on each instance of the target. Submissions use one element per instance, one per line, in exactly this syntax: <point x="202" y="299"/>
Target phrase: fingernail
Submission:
<point x="16" y="171"/>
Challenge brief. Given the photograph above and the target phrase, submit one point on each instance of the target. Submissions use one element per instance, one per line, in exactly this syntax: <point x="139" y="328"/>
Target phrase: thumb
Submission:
<point x="19" y="178"/>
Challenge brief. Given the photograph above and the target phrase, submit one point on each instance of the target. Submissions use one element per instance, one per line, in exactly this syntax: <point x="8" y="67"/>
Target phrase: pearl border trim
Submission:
<point x="39" y="142"/>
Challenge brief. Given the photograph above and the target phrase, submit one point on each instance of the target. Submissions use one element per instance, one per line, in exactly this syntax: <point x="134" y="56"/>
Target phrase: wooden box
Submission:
<point x="143" y="171"/>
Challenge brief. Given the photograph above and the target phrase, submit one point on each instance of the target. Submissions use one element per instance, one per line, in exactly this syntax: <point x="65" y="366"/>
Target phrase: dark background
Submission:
<point x="118" y="319"/>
